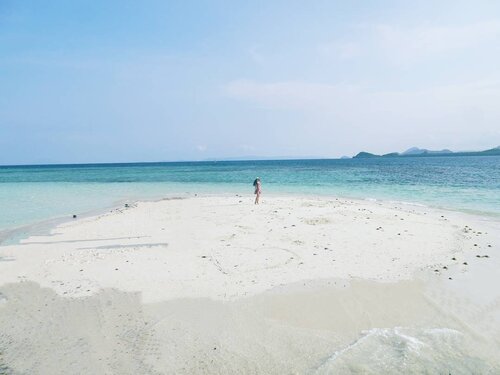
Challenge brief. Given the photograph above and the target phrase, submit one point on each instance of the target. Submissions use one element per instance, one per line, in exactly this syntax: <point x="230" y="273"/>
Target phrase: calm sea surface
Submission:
<point x="30" y="194"/>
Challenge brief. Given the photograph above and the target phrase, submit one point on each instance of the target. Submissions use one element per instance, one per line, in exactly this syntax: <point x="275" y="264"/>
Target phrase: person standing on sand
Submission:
<point x="258" y="190"/>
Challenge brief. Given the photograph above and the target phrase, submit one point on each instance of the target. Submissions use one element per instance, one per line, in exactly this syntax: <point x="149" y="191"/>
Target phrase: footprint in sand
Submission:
<point x="317" y="221"/>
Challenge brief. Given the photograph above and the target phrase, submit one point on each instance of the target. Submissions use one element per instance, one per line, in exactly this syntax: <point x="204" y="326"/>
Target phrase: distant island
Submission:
<point x="422" y="152"/>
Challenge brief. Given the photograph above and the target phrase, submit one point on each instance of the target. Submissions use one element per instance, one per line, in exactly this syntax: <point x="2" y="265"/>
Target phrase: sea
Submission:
<point x="38" y="193"/>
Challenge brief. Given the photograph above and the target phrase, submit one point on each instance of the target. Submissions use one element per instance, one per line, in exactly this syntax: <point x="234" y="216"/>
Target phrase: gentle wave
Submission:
<point x="408" y="350"/>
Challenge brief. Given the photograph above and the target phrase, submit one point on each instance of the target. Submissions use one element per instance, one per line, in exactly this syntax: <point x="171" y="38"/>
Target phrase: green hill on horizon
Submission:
<point x="417" y="152"/>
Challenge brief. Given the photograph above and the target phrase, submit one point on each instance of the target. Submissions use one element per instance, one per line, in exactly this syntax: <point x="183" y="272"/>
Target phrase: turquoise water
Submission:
<point x="29" y="194"/>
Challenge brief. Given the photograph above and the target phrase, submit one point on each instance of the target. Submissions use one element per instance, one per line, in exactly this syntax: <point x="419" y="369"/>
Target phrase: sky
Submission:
<point x="121" y="81"/>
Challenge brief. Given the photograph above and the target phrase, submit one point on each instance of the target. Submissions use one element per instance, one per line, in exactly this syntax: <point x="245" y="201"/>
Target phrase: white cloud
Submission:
<point x="451" y="113"/>
<point x="410" y="45"/>
<point x="290" y="94"/>
<point x="334" y="98"/>
<point x="404" y="45"/>
<point x="201" y="148"/>
<point x="342" y="50"/>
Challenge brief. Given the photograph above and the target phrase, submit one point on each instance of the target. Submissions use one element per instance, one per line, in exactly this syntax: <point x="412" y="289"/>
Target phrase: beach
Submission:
<point x="215" y="284"/>
<point x="256" y="188"/>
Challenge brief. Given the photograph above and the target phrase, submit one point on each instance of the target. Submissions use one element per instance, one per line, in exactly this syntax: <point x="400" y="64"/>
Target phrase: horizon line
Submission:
<point x="214" y="159"/>
<point x="208" y="160"/>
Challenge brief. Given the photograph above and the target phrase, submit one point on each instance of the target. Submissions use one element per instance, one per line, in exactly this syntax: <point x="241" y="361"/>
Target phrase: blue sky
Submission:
<point x="117" y="81"/>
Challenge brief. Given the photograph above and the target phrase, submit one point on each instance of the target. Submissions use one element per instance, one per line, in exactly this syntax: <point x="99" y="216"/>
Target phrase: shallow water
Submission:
<point x="29" y="194"/>
<point x="410" y="351"/>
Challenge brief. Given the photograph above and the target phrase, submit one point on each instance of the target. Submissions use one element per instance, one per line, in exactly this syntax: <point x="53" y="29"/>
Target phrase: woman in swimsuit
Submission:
<point x="258" y="190"/>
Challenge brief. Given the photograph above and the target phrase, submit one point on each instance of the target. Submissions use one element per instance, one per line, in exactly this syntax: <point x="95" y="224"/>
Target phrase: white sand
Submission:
<point x="156" y="256"/>
<point x="225" y="247"/>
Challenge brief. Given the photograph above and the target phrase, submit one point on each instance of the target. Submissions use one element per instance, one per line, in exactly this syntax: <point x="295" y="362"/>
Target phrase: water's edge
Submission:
<point x="12" y="236"/>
